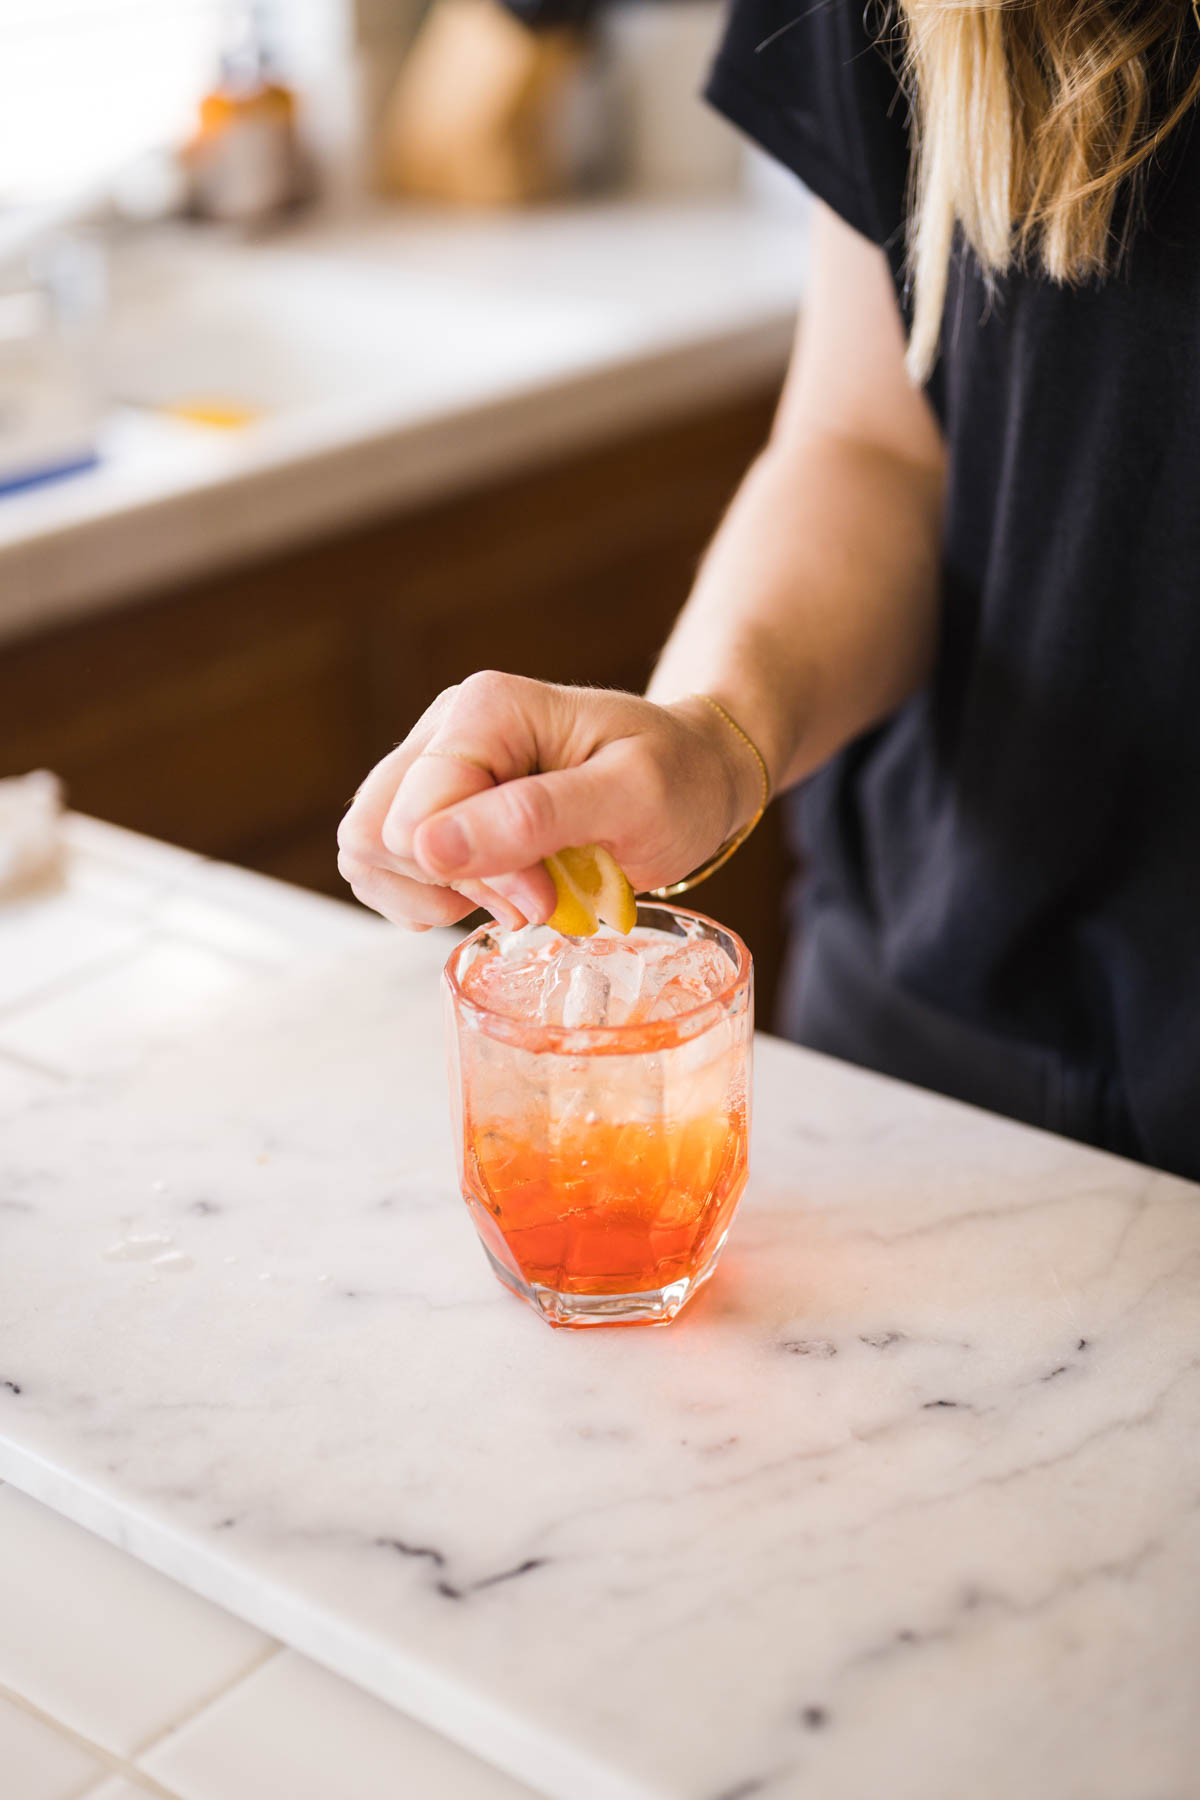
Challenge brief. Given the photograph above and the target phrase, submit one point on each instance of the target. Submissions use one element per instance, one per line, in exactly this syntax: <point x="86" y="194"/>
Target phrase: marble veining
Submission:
<point x="908" y="1502"/>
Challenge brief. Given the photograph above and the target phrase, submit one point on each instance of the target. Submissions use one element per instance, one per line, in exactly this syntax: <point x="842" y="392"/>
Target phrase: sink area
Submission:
<point x="362" y="366"/>
<point x="250" y="336"/>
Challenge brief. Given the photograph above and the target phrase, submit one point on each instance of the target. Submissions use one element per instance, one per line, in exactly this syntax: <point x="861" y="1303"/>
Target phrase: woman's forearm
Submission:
<point x="814" y="615"/>
<point x="815" y="612"/>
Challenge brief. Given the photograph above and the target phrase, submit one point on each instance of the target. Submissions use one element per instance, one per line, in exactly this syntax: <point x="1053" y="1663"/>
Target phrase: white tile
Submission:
<point x="294" y="1729"/>
<point x="52" y="934"/>
<point x="89" y="1635"/>
<point x="37" y="1763"/>
<point x="114" y="1019"/>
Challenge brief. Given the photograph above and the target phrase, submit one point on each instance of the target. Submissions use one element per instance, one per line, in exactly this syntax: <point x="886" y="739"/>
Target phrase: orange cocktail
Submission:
<point x="601" y="1091"/>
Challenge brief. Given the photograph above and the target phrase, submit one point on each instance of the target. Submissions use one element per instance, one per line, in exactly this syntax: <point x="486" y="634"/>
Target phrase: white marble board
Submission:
<point x="908" y="1502"/>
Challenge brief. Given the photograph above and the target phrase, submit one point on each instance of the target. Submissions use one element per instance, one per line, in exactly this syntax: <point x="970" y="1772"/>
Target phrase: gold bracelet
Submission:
<point x="722" y="856"/>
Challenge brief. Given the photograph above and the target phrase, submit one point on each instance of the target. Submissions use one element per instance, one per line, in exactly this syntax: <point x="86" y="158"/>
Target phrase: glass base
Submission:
<point x="652" y="1306"/>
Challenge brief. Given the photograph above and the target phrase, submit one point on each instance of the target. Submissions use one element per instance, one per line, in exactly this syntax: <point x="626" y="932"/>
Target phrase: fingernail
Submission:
<point x="444" y="843"/>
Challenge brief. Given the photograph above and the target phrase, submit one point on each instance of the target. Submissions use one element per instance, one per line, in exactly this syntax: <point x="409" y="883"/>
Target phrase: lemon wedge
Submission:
<point x="591" y="889"/>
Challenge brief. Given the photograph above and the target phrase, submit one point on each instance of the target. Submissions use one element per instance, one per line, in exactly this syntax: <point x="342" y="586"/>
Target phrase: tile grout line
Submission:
<point x="111" y="1761"/>
<point x="259" y="1661"/>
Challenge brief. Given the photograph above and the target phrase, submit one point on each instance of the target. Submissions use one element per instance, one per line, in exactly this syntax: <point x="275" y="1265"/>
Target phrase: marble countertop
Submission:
<point x="116" y="1683"/>
<point x="404" y="354"/>
<point x="907" y="1501"/>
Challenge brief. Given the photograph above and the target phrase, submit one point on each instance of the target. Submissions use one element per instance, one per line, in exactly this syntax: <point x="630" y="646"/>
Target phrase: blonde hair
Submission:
<point x="1031" y="117"/>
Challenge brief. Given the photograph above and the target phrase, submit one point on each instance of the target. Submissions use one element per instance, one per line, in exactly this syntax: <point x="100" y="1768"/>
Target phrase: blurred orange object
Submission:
<point x="476" y="113"/>
<point x="244" y="161"/>
<point x="219" y="415"/>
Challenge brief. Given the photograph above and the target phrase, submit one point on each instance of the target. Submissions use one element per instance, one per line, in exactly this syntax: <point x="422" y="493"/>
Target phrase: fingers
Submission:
<point x="435" y="782"/>
<point x="392" y="884"/>
<point x="502" y="772"/>
<point x="364" y="846"/>
<point x="494" y="729"/>
<point x="364" y="853"/>
<point x="505" y="909"/>
<point x="515" y="825"/>
<point x="416" y="904"/>
<point x="530" y="890"/>
<point x="435" y="779"/>
<point x="360" y="834"/>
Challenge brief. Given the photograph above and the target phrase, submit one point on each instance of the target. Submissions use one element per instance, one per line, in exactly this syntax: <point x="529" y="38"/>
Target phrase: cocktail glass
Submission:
<point x="602" y="1164"/>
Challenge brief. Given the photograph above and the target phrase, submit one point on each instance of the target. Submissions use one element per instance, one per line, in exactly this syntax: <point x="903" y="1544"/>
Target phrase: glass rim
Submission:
<point x="627" y="1038"/>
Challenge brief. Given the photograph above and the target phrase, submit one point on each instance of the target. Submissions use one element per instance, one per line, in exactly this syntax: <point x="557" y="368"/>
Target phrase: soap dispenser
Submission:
<point x="244" y="159"/>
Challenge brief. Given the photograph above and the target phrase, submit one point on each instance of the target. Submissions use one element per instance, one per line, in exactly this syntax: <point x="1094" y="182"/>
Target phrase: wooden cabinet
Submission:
<point x="237" y="716"/>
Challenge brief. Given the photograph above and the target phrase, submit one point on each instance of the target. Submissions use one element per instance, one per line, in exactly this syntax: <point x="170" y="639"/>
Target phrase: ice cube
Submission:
<point x="626" y="971"/>
<point x="700" y="966"/>
<point x="513" y="989"/>
<point x="537" y="975"/>
<point x="653" y="972"/>
<point x="552" y="995"/>
<point x="528" y="941"/>
<point x="672" y="998"/>
<point x="588" y="989"/>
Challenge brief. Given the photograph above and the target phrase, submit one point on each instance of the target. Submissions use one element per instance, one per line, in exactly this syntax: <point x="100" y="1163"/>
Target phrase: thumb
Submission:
<point x="494" y="728"/>
<point x="518" y="823"/>
<point x="435" y="780"/>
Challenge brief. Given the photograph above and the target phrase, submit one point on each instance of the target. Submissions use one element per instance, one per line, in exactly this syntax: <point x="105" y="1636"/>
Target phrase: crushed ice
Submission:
<point x="607" y="979"/>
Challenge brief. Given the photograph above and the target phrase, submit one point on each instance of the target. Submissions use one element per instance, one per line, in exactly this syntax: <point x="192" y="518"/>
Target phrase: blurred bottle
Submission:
<point x="244" y="162"/>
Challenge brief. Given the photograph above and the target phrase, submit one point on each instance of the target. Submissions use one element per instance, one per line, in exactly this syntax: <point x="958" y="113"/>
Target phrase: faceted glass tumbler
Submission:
<point x="602" y="1165"/>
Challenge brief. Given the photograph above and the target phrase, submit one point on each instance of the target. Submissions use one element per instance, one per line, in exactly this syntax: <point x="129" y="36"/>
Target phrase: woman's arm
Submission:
<point x="815" y="611"/>
<point x="813" y="616"/>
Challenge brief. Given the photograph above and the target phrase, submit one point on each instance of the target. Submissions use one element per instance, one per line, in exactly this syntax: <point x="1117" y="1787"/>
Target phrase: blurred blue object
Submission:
<point x="16" y="484"/>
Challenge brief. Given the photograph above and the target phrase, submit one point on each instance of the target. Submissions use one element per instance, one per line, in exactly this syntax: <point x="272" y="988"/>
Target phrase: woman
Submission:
<point x="957" y="596"/>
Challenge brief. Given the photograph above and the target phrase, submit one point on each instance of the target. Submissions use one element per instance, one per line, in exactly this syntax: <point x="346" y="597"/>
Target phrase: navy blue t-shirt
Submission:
<point x="1003" y="887"/>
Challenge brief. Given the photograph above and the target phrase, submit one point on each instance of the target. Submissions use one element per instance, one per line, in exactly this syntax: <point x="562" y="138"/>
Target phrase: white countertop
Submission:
<point x="115" y="1682"/>
<point x="904" y="1503"/>
<point x="399" y="355"/>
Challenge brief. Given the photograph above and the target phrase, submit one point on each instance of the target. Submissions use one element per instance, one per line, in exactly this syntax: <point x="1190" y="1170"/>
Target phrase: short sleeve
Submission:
<point x="541" y="15"/>
<point x="809" y="82"/>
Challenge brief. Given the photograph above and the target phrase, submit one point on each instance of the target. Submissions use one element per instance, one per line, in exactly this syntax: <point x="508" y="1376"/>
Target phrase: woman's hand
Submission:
<point x="501" y="772"/>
